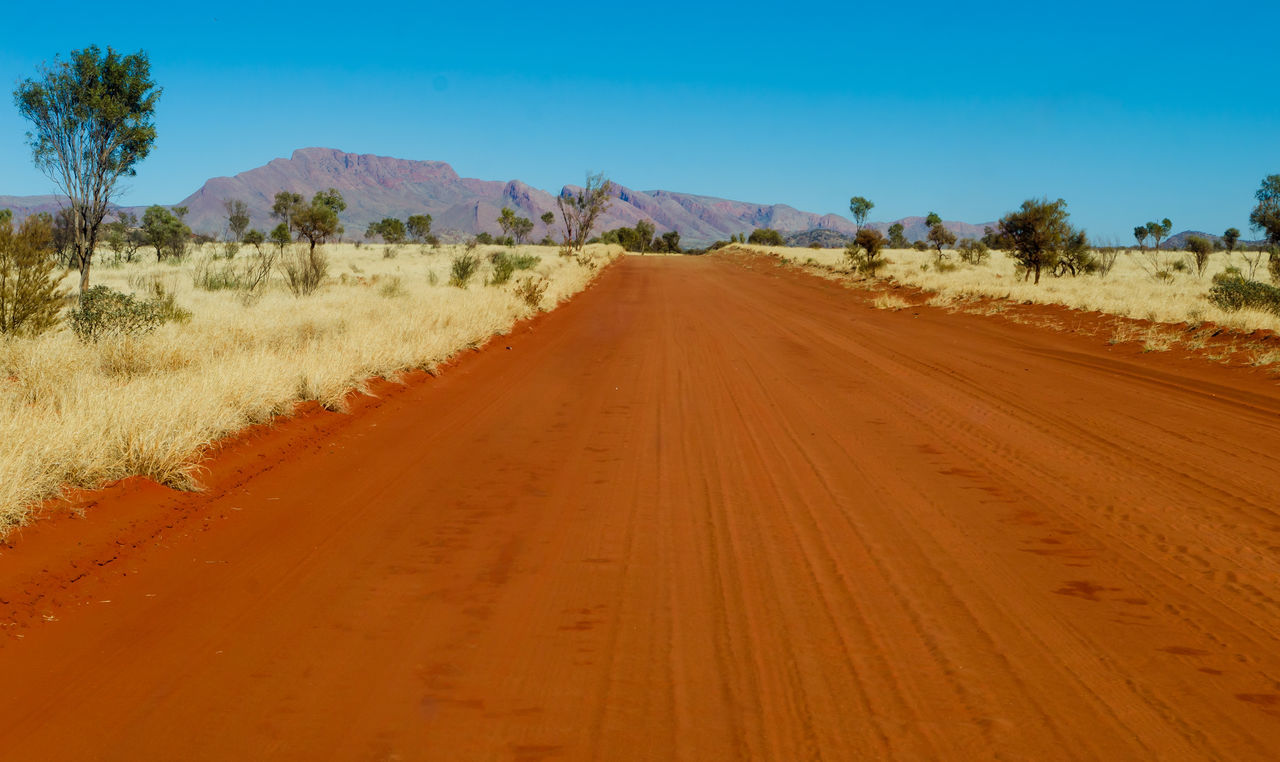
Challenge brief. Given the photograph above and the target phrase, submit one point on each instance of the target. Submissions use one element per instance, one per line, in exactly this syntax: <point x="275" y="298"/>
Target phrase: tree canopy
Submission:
<point x="1265" y="217"/>
<point x="318" y="221"/>
<point x="860" y="207"/>
<point x="1038" y="233"/>
<point x="92" y="119"/>
<point x="165" y="230"/>
<point x="580" y="209"/>
<point x="237" y="217"/>
<point x="391" y="230"/>
<point x="418" y="226"/>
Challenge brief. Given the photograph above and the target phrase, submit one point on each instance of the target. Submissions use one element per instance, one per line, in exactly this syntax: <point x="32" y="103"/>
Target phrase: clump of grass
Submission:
<point x="1198" y="339"/>
<point x="531" y="290"/>
<point x="463" y="268"/>
<point x="1156" y="339"/>
<point x="391" y="288"/>
<point x="890" y="302"/>
<point x="1263" y="357"/>
<point x="503" y="267"/>
<point x="306" y="270"/>
<point x="1123" y="333"/>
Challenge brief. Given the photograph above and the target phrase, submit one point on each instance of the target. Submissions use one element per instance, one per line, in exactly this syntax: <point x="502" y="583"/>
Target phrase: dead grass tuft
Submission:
<point x="890" y="302"/>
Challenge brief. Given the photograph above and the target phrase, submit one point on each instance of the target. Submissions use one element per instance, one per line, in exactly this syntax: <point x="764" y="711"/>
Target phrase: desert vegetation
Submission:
<point x="161" y="358"/>
<point x="1036" y="255"/>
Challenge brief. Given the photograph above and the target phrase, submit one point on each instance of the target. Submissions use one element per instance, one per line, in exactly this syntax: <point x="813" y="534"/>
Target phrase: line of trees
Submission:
<point x="642" y="239"/>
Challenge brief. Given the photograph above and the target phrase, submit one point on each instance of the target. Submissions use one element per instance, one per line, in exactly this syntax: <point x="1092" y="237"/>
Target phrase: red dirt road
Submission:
<point x="709" y="510"/>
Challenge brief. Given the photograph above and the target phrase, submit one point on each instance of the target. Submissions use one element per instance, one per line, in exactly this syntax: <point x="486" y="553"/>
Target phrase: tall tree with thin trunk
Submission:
<point x="237" y="217"/>
<point x="1265" y="217"/>
<point x="1140" y="235"/>
<point x="1230" y="238"/>
<point x="860" y="207"/>
<point x="1158" y="231"/>
<point x="92" y="122"/>
<point x="580" y="209"/>
<point x="282" y="208"/>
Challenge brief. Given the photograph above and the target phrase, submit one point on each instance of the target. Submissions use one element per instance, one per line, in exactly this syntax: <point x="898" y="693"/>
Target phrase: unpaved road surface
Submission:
<point x="711" y="510"/>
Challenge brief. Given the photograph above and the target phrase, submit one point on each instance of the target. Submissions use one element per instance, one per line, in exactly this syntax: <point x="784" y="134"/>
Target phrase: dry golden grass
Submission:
<point x="1130" y="290"/>
<point x="81" y="415"/>
<point x="889" y="302"/>
<point x="1158" y="339"/>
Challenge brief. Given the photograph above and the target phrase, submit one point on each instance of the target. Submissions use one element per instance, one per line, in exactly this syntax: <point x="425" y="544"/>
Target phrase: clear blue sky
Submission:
<point x="1128" y="110"/>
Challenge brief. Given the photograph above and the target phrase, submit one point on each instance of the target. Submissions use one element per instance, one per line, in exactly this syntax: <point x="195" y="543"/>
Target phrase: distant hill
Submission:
<point x="378" y="186"/>
<point x="914" y="229"/>
<point x="1178" y="241"/>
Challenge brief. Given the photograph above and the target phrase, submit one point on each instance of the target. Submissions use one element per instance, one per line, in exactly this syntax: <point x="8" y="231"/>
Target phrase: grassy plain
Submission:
<point x="1131" y="289"/>
<point x="80" y="415"/>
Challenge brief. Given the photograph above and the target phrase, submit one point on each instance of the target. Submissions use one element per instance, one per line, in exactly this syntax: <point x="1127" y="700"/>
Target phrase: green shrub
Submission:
<point x="462" y="269"/>
<point x="766" y="237"/>
<point x="104" y="312"/>
<point x="210" y="275"/>
<point x="973" y="252"/>
<point x="864" y="251"/>
<point x="530" y="290"/>
<point x="503" y="267"/>
<point x="29" y="294"/>
<point x="163" y="295"/>
<point x="1231" y="291"/>
<point x="525" y="261"/>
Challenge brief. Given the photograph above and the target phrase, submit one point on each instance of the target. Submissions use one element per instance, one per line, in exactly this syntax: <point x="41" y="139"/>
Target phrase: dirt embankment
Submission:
<point x="708" y="510"/>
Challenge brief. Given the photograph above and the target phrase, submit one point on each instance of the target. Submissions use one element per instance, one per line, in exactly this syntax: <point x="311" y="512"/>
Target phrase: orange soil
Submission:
<point x="709" y="510"/>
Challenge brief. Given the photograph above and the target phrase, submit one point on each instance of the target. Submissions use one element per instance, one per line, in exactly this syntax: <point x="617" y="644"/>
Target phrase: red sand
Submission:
<point x="709" y="510"/>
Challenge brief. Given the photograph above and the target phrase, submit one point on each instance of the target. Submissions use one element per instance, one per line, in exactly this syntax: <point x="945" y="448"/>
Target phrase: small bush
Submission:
<point x="1106" y="259"/>
<point x="391" y="288"/>
<point x="462" y="269"/>
<point x="105" y="312"/>
<point x="163" y="295"/>
<point x="973" y="252"/>
<point x="864" y="251"/>
<point x="305" y="271"/>
<point x="1199" y="248"/>
<point x="29" y="294"/>
<point x="503" y="267"/>
<point x="766" y="237"/>
<point x="210" y="275"/>
<point x="1231" y="291"/>
<point x="530" y="290"/>
<point x="525" y="261"/>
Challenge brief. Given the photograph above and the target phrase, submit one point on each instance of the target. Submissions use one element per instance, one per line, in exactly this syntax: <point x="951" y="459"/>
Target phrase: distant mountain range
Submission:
<point x="375" y="187"/>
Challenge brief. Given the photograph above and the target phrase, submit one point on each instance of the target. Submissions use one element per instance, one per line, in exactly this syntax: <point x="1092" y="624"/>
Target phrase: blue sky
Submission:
<point x="1128" y="110"/>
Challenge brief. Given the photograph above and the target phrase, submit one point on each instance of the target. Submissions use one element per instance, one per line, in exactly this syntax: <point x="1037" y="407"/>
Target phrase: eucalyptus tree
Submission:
<point x="860" y="207"/>
<point x="92" y="119"/>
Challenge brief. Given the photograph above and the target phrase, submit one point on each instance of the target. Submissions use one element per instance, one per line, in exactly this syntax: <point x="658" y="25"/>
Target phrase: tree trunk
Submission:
<point x="85" y="263"/>
<point x="1037" y="282"/>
